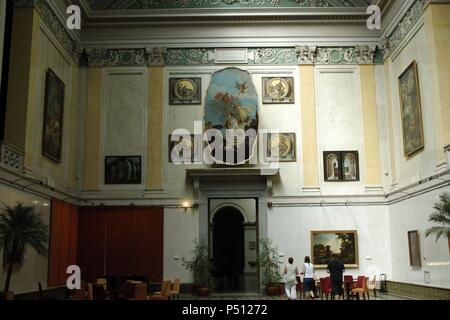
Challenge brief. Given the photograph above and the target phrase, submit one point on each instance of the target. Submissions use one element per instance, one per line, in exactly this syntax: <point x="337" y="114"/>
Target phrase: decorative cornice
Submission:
<point x="57" y="28"/>
<point x="301" y="55"/>
<point x="392" y="41"/>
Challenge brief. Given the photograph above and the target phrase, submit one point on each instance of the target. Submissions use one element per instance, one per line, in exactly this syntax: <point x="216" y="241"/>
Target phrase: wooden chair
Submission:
<point x="372" y="285"/>
<point x="175" y="292"/>
<point x="163" y="294"/>
<point x="325" y="287"/>
<point x="103" y="282"/>
<point x="300" y="288"/>
<point x="140" y="291"/>
<point x="349" y="285"/>
<point x="361" y="287"/>
<point x="99" y="292"/>
<point x="89" y="291"/>
<point x="41" y="294"/>
<point x="79" y="294"/>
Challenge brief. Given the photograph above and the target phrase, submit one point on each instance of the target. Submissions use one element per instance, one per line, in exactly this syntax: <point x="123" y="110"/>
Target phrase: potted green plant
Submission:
<point x="270" y="266"/>
<point x="201" y="268"/>
<point x="20" y="227"/>
<point x="441" y="216"/>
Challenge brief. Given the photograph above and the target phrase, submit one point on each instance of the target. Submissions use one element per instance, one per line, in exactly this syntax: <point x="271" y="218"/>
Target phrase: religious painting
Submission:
<point x="414" y="249"/>
<point x="332" y="166"/>
<point x="185" y="148"/>
<point x="231" y="117"/>
<point x="123" y="170"/>
<point x="281" y="147"/>
<point x="185" y="91"/>
<point x="278" y="90"/>
<point x="411" y="111"/>
<point x="350" y="166"/>
<point x="329" y="245"/>
<point x="53" y="117"/>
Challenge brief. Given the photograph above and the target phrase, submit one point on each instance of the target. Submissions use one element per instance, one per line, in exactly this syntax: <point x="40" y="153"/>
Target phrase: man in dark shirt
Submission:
<point x="336" y="270"/>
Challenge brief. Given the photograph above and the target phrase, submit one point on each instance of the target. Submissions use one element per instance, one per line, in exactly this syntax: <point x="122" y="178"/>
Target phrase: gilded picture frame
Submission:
<point x="52" y="132"/>
<point x="185" y="91"/>
<point x="411" y="111"/>
<point x="329" y="244"/>
<point x="415" y="257"/>
<point x="281" y="147"/>
<point x="278" y="90"/>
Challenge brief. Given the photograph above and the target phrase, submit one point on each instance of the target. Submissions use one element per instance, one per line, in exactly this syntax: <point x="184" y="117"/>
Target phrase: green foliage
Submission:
<point x="441" y="216"/>
<point x="269" y="262"/>
<point x="200" y="266"/>
<point x="20" y="227"/>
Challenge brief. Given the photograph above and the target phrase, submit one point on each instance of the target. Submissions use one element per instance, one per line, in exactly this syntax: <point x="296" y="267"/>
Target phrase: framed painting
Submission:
<point x="332" y="166"/>
<point x="123" y="170"/>
<point x="53" y="117"/>
<point x="281" y="147"/>
<point x="185" y="91"/>
<point x="414" y="249"/>
<point x="179" y="144"/>
<point x="329" y="245"/>
<point x="411" y="111"/>
<point x="278" y="90"/>
<point x="350" y="165"/>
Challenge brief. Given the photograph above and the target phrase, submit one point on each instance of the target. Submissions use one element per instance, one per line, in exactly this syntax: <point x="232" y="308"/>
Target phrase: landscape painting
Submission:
<point x="53" y="117"/>
<point x="328" y="245"/>
<point x="411" y="111"/>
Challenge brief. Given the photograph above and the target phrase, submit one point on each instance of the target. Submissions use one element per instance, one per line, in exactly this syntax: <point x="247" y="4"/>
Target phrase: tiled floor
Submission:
<point x="251" y="296"/>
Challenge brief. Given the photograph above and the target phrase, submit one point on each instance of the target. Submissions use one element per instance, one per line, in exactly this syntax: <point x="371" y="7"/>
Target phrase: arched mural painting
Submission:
<point x="231" y="107"/>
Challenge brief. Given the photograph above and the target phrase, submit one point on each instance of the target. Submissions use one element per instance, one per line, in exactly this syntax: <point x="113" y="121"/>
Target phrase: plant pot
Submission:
<point x="6" y="295"/>
<point x="203" y="292"/>
<point x="273" y="290"/>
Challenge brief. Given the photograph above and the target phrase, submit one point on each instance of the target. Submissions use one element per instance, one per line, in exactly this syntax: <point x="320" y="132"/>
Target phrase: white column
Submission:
<point x="447" y="151"/>
<point x="2" y="33"/>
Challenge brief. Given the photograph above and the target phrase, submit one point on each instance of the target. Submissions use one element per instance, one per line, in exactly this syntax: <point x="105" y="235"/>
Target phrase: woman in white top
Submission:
<point x="290" y="286"/>
<point x="308" y="277"/>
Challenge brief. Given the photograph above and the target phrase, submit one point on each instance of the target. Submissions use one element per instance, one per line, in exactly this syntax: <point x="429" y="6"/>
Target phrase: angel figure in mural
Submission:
<point x="242" y="87"/>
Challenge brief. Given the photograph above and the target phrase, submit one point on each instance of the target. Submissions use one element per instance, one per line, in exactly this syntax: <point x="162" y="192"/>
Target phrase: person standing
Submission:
<point x="336" y="270"/>
<point x="308" y="278"/>
<point x="290" y="285"/>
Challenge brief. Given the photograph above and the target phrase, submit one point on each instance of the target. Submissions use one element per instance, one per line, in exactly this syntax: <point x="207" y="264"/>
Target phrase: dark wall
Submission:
<point x="120" y="241"/>
<point x="5" y="65"/>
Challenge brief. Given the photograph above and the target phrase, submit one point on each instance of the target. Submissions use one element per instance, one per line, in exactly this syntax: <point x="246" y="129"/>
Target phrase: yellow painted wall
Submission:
<point x="438" y="18"/>
<point x="309" y="130"/>
<point x="155" y="129"/>
<point x="371" y="141"/>
<point x="92" y="133"/>
<point x="25" y="28"/>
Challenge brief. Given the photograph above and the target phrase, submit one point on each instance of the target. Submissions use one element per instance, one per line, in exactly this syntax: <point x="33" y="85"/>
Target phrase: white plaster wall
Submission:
<point x="425" y="163"/>
<point x="413" y="215"/>
<point x="35" y="267"/>
<point x="282" y="117"/>
<point x="371" y="223"/>
<point x="180" y="232"/>
<point x="124" y="115"/>
<point x="339" y="121"/>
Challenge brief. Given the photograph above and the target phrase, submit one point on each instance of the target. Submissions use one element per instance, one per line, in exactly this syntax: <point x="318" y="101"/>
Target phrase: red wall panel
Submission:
<point x="63" y="241"/>
<point x="91" y="242"/>
<point x="120" y="241"/>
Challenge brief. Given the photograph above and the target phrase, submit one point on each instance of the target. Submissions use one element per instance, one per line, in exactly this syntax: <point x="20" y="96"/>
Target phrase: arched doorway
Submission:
<point x="228" y="249"/>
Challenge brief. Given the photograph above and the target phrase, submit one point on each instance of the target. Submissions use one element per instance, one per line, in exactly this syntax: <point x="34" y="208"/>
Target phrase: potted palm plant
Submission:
<point x="270" y="266"/>
<point x="441" y="216"/>
<point x="20" y="227"/>
<point x="201" y="268"/>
